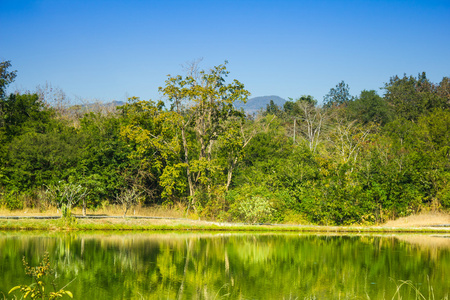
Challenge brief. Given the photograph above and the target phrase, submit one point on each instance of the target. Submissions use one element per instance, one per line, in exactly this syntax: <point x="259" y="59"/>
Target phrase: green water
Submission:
<point x="232" y="266"/>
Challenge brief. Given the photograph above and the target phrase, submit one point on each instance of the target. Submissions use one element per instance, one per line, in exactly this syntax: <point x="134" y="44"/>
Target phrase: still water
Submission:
<point x="232" y="265"/>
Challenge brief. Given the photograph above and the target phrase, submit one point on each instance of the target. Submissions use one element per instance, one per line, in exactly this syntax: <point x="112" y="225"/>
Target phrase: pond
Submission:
<point x="182" y="265"/>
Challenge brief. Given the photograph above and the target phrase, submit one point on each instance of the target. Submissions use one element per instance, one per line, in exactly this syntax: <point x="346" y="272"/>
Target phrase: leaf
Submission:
<point x="14" y="288"/>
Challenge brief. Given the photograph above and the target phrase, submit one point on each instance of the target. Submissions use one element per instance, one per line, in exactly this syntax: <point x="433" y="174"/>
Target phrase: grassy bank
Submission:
<point x="161" y="218"/>
<point x="191" y="225"/>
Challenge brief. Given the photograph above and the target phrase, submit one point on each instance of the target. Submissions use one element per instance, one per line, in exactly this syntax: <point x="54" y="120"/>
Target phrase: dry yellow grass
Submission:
<point x="152" y="211"/>
<point x="144" y="222"/>
<point x="111" y="210"/>
<point x="422" y="219"/>
<point x="29" y="212"/>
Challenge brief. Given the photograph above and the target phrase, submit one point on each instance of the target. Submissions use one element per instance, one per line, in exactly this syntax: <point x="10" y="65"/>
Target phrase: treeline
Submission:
<point x="359" y="159"/>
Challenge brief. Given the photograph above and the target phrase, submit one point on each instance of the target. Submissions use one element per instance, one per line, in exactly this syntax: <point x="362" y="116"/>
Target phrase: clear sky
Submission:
<point x="111" y="50"/>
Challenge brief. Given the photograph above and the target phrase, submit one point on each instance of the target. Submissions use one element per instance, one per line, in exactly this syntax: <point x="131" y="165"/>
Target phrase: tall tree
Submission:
<point x="312" y="119"/>
<point x="412" y="96"/>
<point x="201" y="104"/>
<point x="6" y="77"/>
<point x="272" y="109"/>
<point x="291" y="107"/>
<point x="237" y="136"/>
<point x="369" y="107"/>
<point x="340" y="95"/>
<point x="443" y="91"/>
<point x="22" y="112"/>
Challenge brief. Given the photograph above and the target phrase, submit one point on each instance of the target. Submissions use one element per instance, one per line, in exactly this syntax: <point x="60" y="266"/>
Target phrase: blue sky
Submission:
<point x="111" y="50"/>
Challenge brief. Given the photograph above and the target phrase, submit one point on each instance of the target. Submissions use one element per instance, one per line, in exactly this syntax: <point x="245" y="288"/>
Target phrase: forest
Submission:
<point x="350" y="160"/>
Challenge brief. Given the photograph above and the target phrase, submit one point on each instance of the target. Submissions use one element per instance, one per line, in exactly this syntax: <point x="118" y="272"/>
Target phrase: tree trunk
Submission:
<point x="84" y="207"/>
<point x="125" y="209"/>
<point x="230" y="172"/>
<point x="188" y="170"/>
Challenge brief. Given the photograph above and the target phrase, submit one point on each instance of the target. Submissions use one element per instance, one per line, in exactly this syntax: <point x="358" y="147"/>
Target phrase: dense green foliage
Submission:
<point x="357" y="159"/>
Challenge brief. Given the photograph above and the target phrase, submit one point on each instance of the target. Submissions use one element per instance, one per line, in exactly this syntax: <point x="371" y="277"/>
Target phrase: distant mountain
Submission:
<point x="254" y="104"/>
<point x="103" y="104"/>
<point x="116" y="103"/>
<point x="98" y="107"/>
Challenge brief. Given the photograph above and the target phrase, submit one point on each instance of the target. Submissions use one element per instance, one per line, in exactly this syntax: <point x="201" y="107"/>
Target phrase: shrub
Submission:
<point x="11" y="200"/>
<point x="65" y="196"/>
<point x="255" y="209"/>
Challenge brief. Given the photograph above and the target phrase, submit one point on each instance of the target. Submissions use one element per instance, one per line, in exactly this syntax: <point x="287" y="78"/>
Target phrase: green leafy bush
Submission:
<point x="11" y="200"/>
<point x="255" y="209"/>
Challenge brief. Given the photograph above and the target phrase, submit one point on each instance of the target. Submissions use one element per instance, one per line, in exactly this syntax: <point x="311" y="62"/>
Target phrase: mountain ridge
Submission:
<point x="254" y="104"/>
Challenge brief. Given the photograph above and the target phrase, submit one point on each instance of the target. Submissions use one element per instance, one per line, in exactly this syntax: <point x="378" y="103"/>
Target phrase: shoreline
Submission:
<point x="144" y="223"/>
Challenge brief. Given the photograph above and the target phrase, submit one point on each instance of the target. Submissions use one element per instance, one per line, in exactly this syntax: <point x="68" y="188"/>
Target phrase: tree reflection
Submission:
<point x="233" y="266"/>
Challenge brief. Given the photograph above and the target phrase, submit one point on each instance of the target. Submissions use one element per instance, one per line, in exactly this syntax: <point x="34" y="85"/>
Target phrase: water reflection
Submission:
<point x="232" y="266"/>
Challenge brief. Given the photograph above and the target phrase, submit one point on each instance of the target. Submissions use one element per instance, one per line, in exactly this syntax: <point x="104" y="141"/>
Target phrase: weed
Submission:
<point x="39" y="288"/>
